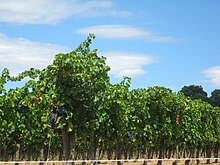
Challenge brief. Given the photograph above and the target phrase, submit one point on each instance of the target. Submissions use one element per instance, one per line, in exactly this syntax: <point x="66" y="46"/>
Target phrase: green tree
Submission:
<point x="194" y="92"/>
<point x="215" y="98"/>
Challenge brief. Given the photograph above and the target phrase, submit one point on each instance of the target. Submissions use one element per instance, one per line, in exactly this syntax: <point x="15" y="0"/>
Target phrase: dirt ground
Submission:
<point x="168" y="162"/>
<point x="165" y="162"/>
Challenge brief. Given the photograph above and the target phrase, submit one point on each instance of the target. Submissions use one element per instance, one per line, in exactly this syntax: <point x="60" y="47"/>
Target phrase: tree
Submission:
<point x="215" y="98"/>
<point x="194" y="92"/>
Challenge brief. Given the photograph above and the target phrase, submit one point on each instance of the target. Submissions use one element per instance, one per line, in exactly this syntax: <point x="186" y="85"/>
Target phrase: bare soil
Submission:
<point x="165" y="162"/>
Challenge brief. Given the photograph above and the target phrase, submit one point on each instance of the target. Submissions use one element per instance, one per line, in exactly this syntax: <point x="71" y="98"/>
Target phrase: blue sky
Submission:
<point x="155" y="42"/>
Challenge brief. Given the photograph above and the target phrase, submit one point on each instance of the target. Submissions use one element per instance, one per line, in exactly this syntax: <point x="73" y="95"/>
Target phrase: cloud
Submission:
<point x="18" y="54"/>
<point x="125" y="32"/>
<point x="213" y="75"/>
<point x="127" y="64"/>
<point x="53" y="11"/>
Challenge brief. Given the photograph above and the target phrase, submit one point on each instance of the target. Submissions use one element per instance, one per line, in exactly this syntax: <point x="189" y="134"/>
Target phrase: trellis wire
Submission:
<point x="105" y="161"/>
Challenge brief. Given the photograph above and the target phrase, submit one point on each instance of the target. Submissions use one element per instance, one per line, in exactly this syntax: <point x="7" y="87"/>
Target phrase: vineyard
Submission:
<point x="70" y="111"/>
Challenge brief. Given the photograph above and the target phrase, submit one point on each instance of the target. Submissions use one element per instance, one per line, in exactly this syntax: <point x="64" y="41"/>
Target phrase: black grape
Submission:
<point x="61" y="111"/>
<point x="130" y="134"/>
<point x="52" y="119"/>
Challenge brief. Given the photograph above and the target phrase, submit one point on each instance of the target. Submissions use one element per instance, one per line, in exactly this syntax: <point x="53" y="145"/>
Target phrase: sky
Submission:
<point x="155" y="42"/>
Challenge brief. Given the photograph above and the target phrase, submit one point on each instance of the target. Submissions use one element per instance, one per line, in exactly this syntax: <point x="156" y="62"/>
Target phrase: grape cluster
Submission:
<point x="60" y="111"/>
<point x="130" y="134"/>
<point x="52" y="120"/>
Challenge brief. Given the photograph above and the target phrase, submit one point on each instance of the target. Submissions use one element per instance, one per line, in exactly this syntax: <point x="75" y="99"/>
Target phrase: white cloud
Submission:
<point x="20" y="54"/>
<point x="125" y="32"/>
<point x="213" y="75"/>
<point x="127" y="64"/>
<point x="52" y="11"/>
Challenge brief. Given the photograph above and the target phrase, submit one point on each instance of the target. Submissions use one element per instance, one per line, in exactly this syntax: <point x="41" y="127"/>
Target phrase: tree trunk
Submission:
<point x="66" y="144"/>
<point x="17" y="152"/>
<point x="208" y="154"/>
<point x="197" y="155"/>
<point x="160" y="156"/>
<point x="72" y="144"/>
<point x="216" y="152"/>
<point x="119" y="154"/>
